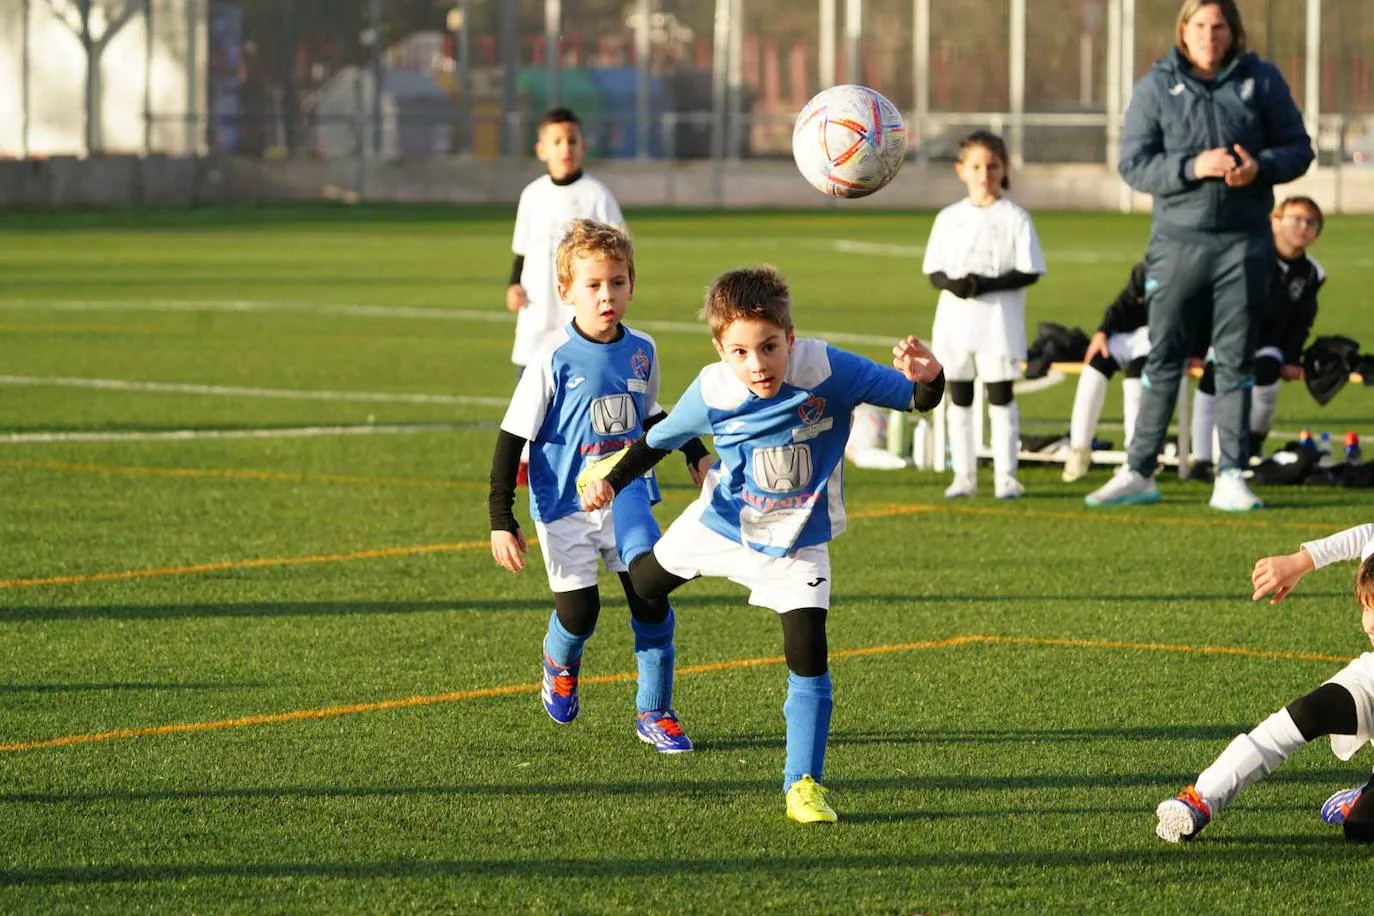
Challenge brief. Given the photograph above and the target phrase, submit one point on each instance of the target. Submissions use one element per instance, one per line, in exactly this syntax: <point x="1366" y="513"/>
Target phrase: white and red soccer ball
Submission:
<point x="849" y="141"/>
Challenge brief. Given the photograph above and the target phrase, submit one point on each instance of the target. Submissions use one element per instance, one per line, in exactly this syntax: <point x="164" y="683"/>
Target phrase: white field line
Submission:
<point x="488" y="316"/>
<point x="186" y="435"/>
<point x="371" y="397"/>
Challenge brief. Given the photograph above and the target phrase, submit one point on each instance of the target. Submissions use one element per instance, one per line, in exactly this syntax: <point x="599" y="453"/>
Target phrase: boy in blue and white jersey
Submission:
<point x="780" y="409"/>
<point x="591" y="389"/>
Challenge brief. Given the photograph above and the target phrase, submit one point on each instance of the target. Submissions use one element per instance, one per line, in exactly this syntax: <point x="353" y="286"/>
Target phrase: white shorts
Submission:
<point x="966" y="365"/>
<point x="573" y="544"/>
<point x="1127" y="347"/>
<point x="1358" y="678"/>
<point x="801" y="579"/>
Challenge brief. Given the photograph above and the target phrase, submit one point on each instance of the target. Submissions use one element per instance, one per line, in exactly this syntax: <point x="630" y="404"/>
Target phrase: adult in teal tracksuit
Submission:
<point x="1209" y="131"/>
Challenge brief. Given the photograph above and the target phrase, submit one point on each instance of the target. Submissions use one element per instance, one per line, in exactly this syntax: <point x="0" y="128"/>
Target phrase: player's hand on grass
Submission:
<point x="508" y="549"/>
<point x="1276" y="576"/>
<point x="597" y="494"/>
<point x="701" y="468"/>
<point x="516" y="298"/>
<point x="1097" y="347"/>
<point x="913" y="359"/>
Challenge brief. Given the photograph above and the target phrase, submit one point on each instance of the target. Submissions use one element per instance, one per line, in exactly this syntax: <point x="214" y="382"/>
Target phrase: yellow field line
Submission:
<point x="353" y="709"/>
<point x="235" y="474"/>
<point x="889" y="511"/>
<point x="261" y="563"/>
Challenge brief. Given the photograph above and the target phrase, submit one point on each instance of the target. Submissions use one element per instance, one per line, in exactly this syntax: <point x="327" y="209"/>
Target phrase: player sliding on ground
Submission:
<point x="779" y="408"/>
<point x="1343" y="708"/>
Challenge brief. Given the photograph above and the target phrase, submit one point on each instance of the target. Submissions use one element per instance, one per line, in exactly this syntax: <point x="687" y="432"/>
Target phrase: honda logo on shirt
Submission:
<point x="614" y="415"/>
<point x="782" y="469"/>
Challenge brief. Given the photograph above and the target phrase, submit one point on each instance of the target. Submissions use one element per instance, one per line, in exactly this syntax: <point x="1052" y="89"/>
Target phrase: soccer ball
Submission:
<point x="849" y="141"/>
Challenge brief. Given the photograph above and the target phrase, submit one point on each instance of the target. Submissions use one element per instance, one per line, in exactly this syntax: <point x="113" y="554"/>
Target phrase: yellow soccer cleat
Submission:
<point x="598" y="469"/>
<point x="806" y="803"/>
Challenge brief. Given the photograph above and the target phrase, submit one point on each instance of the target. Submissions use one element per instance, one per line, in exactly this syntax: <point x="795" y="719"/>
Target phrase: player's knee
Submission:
<point x="1000" y="394"/>
<point x="1328" y="710"/>
<point x="1103" y="364"/>
<point x="1266" y="371"/>
<point x="804" y="643"/>
<point x="1136" y="367"/>
<point x="578" y="609"/>
<point x="650" y="580"/>
<point x="960" y="393"/>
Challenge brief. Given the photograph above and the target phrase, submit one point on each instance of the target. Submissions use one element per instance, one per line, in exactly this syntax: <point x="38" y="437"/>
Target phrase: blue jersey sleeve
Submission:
<point x="866" y="382"/>
<point x="688" y="418"/>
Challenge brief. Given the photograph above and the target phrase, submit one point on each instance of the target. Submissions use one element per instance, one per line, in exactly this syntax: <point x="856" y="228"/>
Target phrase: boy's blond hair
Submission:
<point x="1299" y="201"/>
<point x="1364" y="583"/>
<point x="748" y="294"/>
<point x="586" y="238"/>
<point x="1228" y="11"/>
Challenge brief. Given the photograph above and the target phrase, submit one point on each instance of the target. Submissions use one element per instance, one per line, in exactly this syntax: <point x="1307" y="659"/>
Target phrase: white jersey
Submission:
<point x="987" y="241"/>
<point x="541" y="219"/>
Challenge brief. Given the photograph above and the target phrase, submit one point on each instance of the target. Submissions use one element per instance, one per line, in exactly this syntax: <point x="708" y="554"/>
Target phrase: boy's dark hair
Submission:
<point x="748" y="294"/>
<point x="1299" y="201"/>
<point x="1364" y="583"/>
<point x="559" y="115"/>
<point x="990" y="142"/>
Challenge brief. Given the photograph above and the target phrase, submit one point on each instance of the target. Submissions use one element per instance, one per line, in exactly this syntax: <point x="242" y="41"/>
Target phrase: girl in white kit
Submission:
<point x="982" y="254"/>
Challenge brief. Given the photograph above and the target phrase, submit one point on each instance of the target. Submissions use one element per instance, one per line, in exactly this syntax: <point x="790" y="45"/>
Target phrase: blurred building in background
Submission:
<point x="356" y="84"/>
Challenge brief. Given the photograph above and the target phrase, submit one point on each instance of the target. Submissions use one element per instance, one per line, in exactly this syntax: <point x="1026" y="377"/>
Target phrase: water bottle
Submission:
<point x="922" y="446"/>
<point x="1353" y="454"/>
<point x="1305" y="440"/>
<point x="1325" y="446"/>
<point x="897" y="437"/>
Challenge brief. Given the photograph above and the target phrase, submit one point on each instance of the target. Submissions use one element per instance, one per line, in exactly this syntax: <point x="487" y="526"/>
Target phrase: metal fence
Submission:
<point x="680" y="79"/>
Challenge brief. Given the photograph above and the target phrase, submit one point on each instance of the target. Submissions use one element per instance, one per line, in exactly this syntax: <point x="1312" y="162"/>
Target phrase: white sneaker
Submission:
<point x="1077" y="465"/>
<point x="1009" y="487"/>
<point x="1126" y="488"/>
<point x="961" y="488"/>
<point x="1231" y="493"/>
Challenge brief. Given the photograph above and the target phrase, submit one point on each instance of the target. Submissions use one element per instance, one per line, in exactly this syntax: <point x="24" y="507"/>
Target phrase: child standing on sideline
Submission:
<point x="982" y="254"/>
<point x="780" y="410"/>
<point x="591" y="388"/>
<point x="1121" y="341"/>
<point x="1343" y="708"/>
<point x="548" y="205"/>
<point x="1291" y="312"/>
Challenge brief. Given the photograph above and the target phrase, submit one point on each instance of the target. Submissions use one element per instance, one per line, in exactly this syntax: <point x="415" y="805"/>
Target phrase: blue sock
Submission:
<point x="807" y="710"/>
<point x="654" y="654"/>
<point x="562" y="647"/>
<point x="636" y="531"/>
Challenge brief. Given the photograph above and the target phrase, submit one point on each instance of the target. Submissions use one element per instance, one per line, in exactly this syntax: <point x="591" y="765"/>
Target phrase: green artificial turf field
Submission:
<point x="256" y="656"/>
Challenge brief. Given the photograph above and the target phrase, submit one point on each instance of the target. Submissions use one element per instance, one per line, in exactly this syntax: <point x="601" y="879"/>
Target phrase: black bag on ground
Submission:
<point x="1054" y="343"/>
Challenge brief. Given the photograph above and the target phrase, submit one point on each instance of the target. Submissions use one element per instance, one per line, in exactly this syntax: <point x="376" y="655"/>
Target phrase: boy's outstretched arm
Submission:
<point x="913" y="358"/>
<point x="634" y="462"/>
<point x="699" y="458"/>
<point x="1278" y="575"/>
<point x="507" y="543"/>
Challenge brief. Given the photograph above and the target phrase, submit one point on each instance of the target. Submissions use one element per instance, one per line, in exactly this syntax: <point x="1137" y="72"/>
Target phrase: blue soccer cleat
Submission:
<point x="1182" y="817"/>
<point x="1337" y="808"/>
<point x="558" y="690"/>
<point x="661" y="728"/>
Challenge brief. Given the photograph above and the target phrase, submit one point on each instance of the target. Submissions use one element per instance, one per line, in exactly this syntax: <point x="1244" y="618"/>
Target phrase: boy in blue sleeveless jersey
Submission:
<point x="591" y="389"/>
<point x="780" y="409"/>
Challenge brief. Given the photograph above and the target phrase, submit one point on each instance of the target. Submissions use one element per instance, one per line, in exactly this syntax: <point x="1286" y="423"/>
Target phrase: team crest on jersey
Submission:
<point x="639" y="364"/>
<point x="812" y="409"/>
<point x="1295" y="288"/>
<point x="1247" y="89"/>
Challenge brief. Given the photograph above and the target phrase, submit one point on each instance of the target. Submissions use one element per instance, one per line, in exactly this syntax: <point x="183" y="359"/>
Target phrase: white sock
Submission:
<point x="1248" y="759"/>
<point x="1264" y="401"/>
<point x="1006" y="438"/>
<point x="1130" y="406"/>
<point x="1087" y="407"/>
<point x="1204" y="422"/>
<point x="962" y="458"/>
